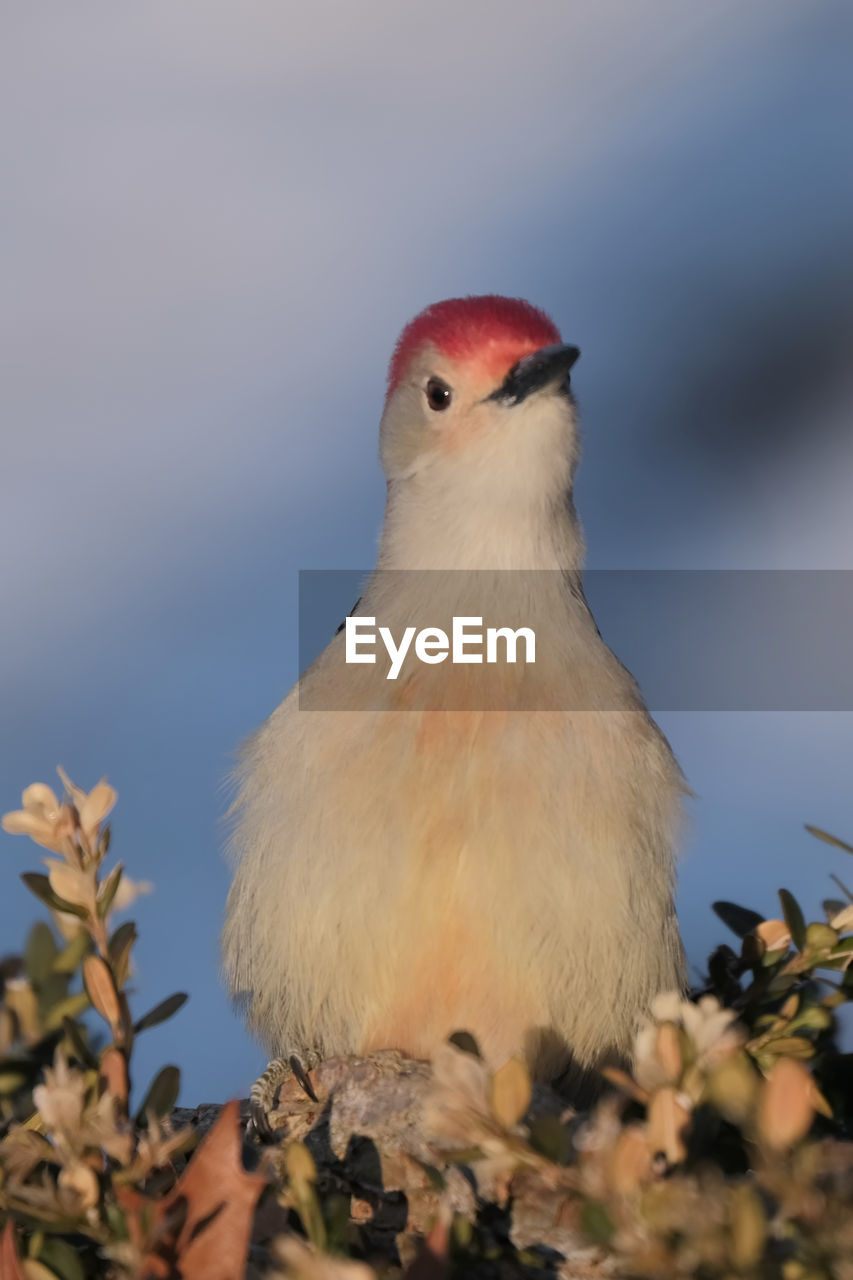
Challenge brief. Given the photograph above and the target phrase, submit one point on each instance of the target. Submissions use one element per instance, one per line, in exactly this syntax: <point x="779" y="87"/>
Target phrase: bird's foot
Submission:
<point x="263" y="1095"/>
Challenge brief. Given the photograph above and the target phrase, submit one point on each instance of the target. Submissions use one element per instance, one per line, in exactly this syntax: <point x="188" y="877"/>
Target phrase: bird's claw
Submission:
<point x="258" y="1127"/>
<point x="263" y="1094"/>
<point x="303" y="1077"/>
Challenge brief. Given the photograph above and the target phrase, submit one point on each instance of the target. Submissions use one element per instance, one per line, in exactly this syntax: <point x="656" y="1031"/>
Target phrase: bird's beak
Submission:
<point x="543" y="368"/>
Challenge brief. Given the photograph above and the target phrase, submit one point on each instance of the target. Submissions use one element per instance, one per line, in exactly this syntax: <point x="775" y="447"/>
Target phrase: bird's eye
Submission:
<point x="438" y="394"/>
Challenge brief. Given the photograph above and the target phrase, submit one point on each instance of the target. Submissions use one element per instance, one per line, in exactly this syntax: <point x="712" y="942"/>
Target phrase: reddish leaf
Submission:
<point x="101" y="989"/>
<point x="141" y="1214"/>
<point x="9" y="1268"/>
<point x="113" y="1073"/>
<point x="432" y="1262"/>
<point x="206" y="1221"/>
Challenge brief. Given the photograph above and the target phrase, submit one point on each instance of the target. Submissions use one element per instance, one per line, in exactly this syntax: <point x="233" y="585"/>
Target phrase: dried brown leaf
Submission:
<point x="35" y="1270"/>
<point x="214" y="1204"/>
<point x="79" y="1188"/>
<point x="43" y="819"/>
<point x="786" y="1109"/>
<point x="303" y="1262"/>
<point x="101" y="989"/>
<point x="667" y="1119"/>
<point x="75" y="885"/>
<point x="95" y="807"/>
<point x="113" y="1073"/>
<point x="748" y="1228"/>
<point x="828" y="839"/>
<point x="629" y="1163"/>
<point x="511" y="1092"/>
<point x="775" y="934"/>
<point x="669" y="1055"/>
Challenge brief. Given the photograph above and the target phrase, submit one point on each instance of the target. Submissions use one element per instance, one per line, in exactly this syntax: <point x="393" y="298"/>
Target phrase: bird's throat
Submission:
<point x="433" y="532"/>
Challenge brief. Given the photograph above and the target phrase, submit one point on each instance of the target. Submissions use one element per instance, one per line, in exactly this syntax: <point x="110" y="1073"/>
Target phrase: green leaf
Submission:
<point x="161" y="1012"/>
<point x="741" y="920"/>
<point x="813" y="1018"/>
<point x="72" y="956"/>
<point x="781" y="983"/>
<point x="78" y="1039"/>
<point x="162" y="1094"/>
<point x="436" y="1178"/>
<point x="119" y="947"/>
<point x="820" y="936"/>
<point x="551" y="1139"/>
<point x="794" y="918"/>
<point x="71" y="1007"/>
<point x="843" y="944"/>
<point x="465" y="1155"/>
<point x="597" y="1223"/>
<point x="790" y="1047"/>
<point x="842" y="886"/>
<point x="116" y="1221"/>
<point x="108" y="890"/>
<point x="52" y="991"/>
<point x="336" y="1211"/>
<point x="828" y="839"/>
<point x="40" y="886"/>
<point x="462" y="1231"/>
<point x="62" y="1259"/>
<point x="11" y="1082"/>
<point x="839" y="957"/>
<point x="40" y="953"/>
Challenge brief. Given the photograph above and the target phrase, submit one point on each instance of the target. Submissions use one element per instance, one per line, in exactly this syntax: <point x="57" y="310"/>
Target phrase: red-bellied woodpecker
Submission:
<point x="501" y="867"/>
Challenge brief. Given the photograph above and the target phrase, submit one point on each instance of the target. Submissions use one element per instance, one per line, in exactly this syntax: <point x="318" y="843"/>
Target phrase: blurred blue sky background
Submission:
<point x="216" y="217"/>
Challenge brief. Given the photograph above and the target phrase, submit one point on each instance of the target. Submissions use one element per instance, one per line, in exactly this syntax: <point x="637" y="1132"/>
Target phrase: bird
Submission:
<point x="462" y="848"/>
